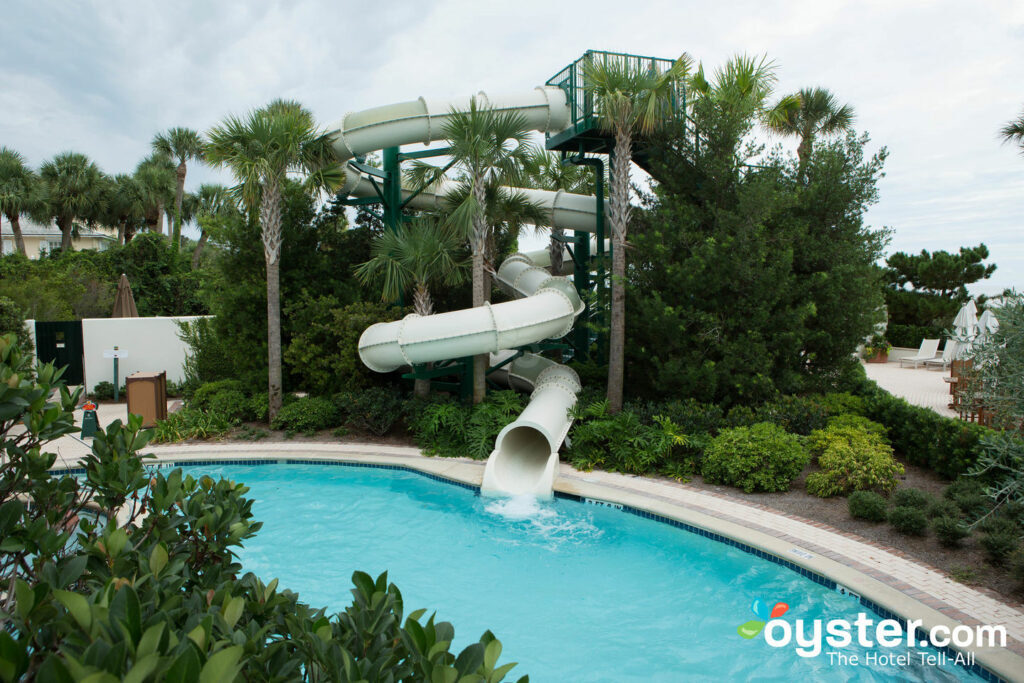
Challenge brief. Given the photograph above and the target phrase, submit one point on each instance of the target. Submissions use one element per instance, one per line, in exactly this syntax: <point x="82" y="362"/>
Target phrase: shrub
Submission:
<point x="912" y="498"/>
<point x="209" y="358"/>
<point x="838" y="404"/>
<point x="374" y="410"/>
<point x="1016" y="562"/>
<point x="759" y="458"/>
<point x="940" y="507"/>
<point x="323" y="354"/>
<point x="969" y="495"/>
<point x="450" y="429"/>
<point x="998" y="544"/>
<point x="12" y="321"/>
<point x="909" y="520"/>
<point x="867" y="505"/>
<point x="191" y="423"/>
<point x="851" y="459"/>
<point x="231" y="404"/>
<point x="103" y="391"/>
<point x="306" y="415"/>
<point x="950" y="531"/>
<point x="796" y="414"/>
<point x="202" y="396"/>
<point x="944" y="445"/>
<point x="860" y="422"/>
<point x="623" y="442"/>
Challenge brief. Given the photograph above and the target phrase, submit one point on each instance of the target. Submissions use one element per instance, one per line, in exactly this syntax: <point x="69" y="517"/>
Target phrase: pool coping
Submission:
<point x="886" y="595"/>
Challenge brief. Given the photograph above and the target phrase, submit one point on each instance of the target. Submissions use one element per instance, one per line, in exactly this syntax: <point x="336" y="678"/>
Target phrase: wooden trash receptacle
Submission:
<point x="147" y="396"/>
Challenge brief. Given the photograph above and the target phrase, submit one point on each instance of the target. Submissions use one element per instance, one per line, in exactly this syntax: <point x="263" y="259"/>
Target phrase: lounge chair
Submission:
<point x="929" y="347"/>
<point x="948" y="355"/>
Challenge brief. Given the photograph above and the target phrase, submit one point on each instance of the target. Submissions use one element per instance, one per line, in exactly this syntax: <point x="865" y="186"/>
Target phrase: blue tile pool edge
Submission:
<point x="828" y="583"/>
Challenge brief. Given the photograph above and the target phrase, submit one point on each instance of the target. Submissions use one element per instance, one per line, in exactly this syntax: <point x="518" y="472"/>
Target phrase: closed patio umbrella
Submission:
<point x="124" y="302"/>
<point x="987" y="324"/>
<point x="965" y="326"/>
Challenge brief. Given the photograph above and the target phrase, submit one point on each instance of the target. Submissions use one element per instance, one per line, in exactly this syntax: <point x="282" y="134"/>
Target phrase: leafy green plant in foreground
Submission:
<point x="129" y="574"/>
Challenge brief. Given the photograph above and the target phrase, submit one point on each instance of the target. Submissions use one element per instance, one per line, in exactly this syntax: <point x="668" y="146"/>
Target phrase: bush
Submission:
<point x="12" y="321"/>
<point x="940" y="507"/>
<point x="759" y="458"/>
<point x="950" y="531"/>
<point x="624" y="443"/>
<point x="450" y="429"/>
<point x="867" y="505"/>
<point x="860" y="422"/>
<point x="944" y="445"/>
<point x="323" y="354"/>
<point x="909" y="520"/>
<point x="796" y="414"/>
<point x="209" y="358"/>
<point x="838" y="404"/>
<point x="103" y="391"/>
<point x="374" y="410"/>
<point x="969" y="495"/>
<point x="912" y="498"/>
<point x="851" y="459"/>
<point x="306" y="415"/>
<point x="998" y="544"/>
<point x="191" y="423"/>
<point x="204" y="394"/>
<point x="231" y="404"/>
<point x="1016" y="562"/>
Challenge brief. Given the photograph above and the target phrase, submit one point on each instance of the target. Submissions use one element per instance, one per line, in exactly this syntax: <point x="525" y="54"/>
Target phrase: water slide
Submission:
<point x="546" y="305"/>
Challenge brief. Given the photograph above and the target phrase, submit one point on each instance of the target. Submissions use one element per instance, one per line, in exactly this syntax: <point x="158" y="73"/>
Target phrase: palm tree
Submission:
<point x="414" y="257"/>
<point x="155" y="175"/>
<point x="628" y="100"/>
<point x="70" y="187"/>
<point x="181" y="145"/>
<point x="261" y="149"/>
<point x="546" y="171"/>
<point x="490" y="148"/>
<point x="125" y="206"/>
<point x="807" y="114"/>
<point x="1014" y="132"/>
<point x="214" y="204"/>
<point x="16" y="191"/>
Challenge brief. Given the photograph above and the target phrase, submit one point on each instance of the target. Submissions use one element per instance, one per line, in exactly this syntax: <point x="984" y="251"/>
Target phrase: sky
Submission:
<point x="932" y="81"/>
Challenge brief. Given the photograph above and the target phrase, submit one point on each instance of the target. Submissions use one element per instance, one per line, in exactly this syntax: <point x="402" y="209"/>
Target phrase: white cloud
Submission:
<point x="932" y="81"/>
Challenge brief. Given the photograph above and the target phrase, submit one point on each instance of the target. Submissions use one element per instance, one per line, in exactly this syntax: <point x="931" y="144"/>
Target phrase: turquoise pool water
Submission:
<point x="575" y="592"/>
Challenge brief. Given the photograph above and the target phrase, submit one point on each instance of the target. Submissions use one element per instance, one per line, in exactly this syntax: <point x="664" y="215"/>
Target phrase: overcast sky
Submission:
<point x="932" y="81"/>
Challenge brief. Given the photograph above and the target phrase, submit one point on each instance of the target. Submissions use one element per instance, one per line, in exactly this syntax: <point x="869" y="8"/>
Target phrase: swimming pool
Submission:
<point x="575" y="592"/>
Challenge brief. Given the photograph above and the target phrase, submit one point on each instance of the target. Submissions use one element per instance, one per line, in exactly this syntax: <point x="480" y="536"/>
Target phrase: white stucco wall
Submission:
<point x="152" y="345"/>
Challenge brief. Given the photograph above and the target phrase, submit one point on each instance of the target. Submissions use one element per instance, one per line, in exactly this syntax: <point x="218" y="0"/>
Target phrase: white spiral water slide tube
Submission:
<point x="525" y="456"/>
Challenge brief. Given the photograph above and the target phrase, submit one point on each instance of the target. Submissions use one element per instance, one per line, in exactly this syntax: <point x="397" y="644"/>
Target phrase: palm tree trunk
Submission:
<point x="19" y="241"/>
<point x="197" y="252"/>
<point x="618" y="218"/>
<point x="555" y="251"/>
<point x="65" y="233"/>
<point x="270" y="211"/>
<point x="422" y="304"/>
<point x="160" y="218"/>
<point x="479" y="247"/>
<point x="179" y="192"/>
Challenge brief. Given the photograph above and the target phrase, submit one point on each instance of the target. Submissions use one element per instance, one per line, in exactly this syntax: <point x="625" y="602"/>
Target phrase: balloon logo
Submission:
<point x="764" y="612"/>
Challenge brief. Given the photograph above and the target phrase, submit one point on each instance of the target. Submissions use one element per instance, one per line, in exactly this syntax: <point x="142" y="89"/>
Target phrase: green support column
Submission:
<point x="392" y="188"/>
<point x="581" y="278"/>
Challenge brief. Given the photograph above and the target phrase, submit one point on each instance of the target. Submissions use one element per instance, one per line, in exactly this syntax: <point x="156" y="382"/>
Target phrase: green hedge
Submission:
<point x="762" y="457"/>
<point x="944" y="445"/>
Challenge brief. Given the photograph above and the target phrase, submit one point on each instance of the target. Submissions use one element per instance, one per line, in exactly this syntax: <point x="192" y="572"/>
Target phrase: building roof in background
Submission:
<point x="30" y="228"/>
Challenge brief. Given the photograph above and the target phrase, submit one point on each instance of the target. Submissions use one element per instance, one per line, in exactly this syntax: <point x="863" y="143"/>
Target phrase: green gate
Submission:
<point x="61" y="344"/>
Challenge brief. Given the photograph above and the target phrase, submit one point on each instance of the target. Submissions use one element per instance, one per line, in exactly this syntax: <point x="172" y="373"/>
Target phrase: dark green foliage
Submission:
<point x="868" y="505"/>
<point x="911" y="336"/>
<point x="625" y="443"/>
<point x="745" y="281"/>
<point x="912" y="498"/>
<point x="233" y="405"/>
<point x="192" y="423"/>
<point x="762" y="457"/>
<point x="452" y="430"/>
<point x="12" y="321"/>
<point x="950" y="531"/>
<point x="323" y="354"/>
<point x="259" y="405"/>
<point x="161" y="595"/>
<point x="374" y="409"/>
<point x="203" y="395"/>
<point x="944" y="445"/>
<point x="838" y="404"/>
<point x="999" y="543"/>
<point x="969" y="495"/>
<point x="209" y="358"/>
<point x="911" y="521"/>
<point x="941" y="507"/>
<point x="1016" y="563"/>
<point x="307" y="415"/>
<point x="851" y="459"/>
<point x="104" y="391"/>
<point x="795" y="414"/>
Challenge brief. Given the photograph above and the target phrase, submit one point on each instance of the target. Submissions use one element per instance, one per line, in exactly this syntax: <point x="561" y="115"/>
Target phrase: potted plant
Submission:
<point x="877" y="349"/>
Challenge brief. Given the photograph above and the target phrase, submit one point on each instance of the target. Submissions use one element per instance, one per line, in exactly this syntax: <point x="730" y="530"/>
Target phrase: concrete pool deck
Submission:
<point x="883" y="575"/>
<point x="920" y="386"/>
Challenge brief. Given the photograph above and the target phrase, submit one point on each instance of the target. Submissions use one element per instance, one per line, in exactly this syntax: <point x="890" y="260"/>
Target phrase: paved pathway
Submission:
<point x="920" y="386"/>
